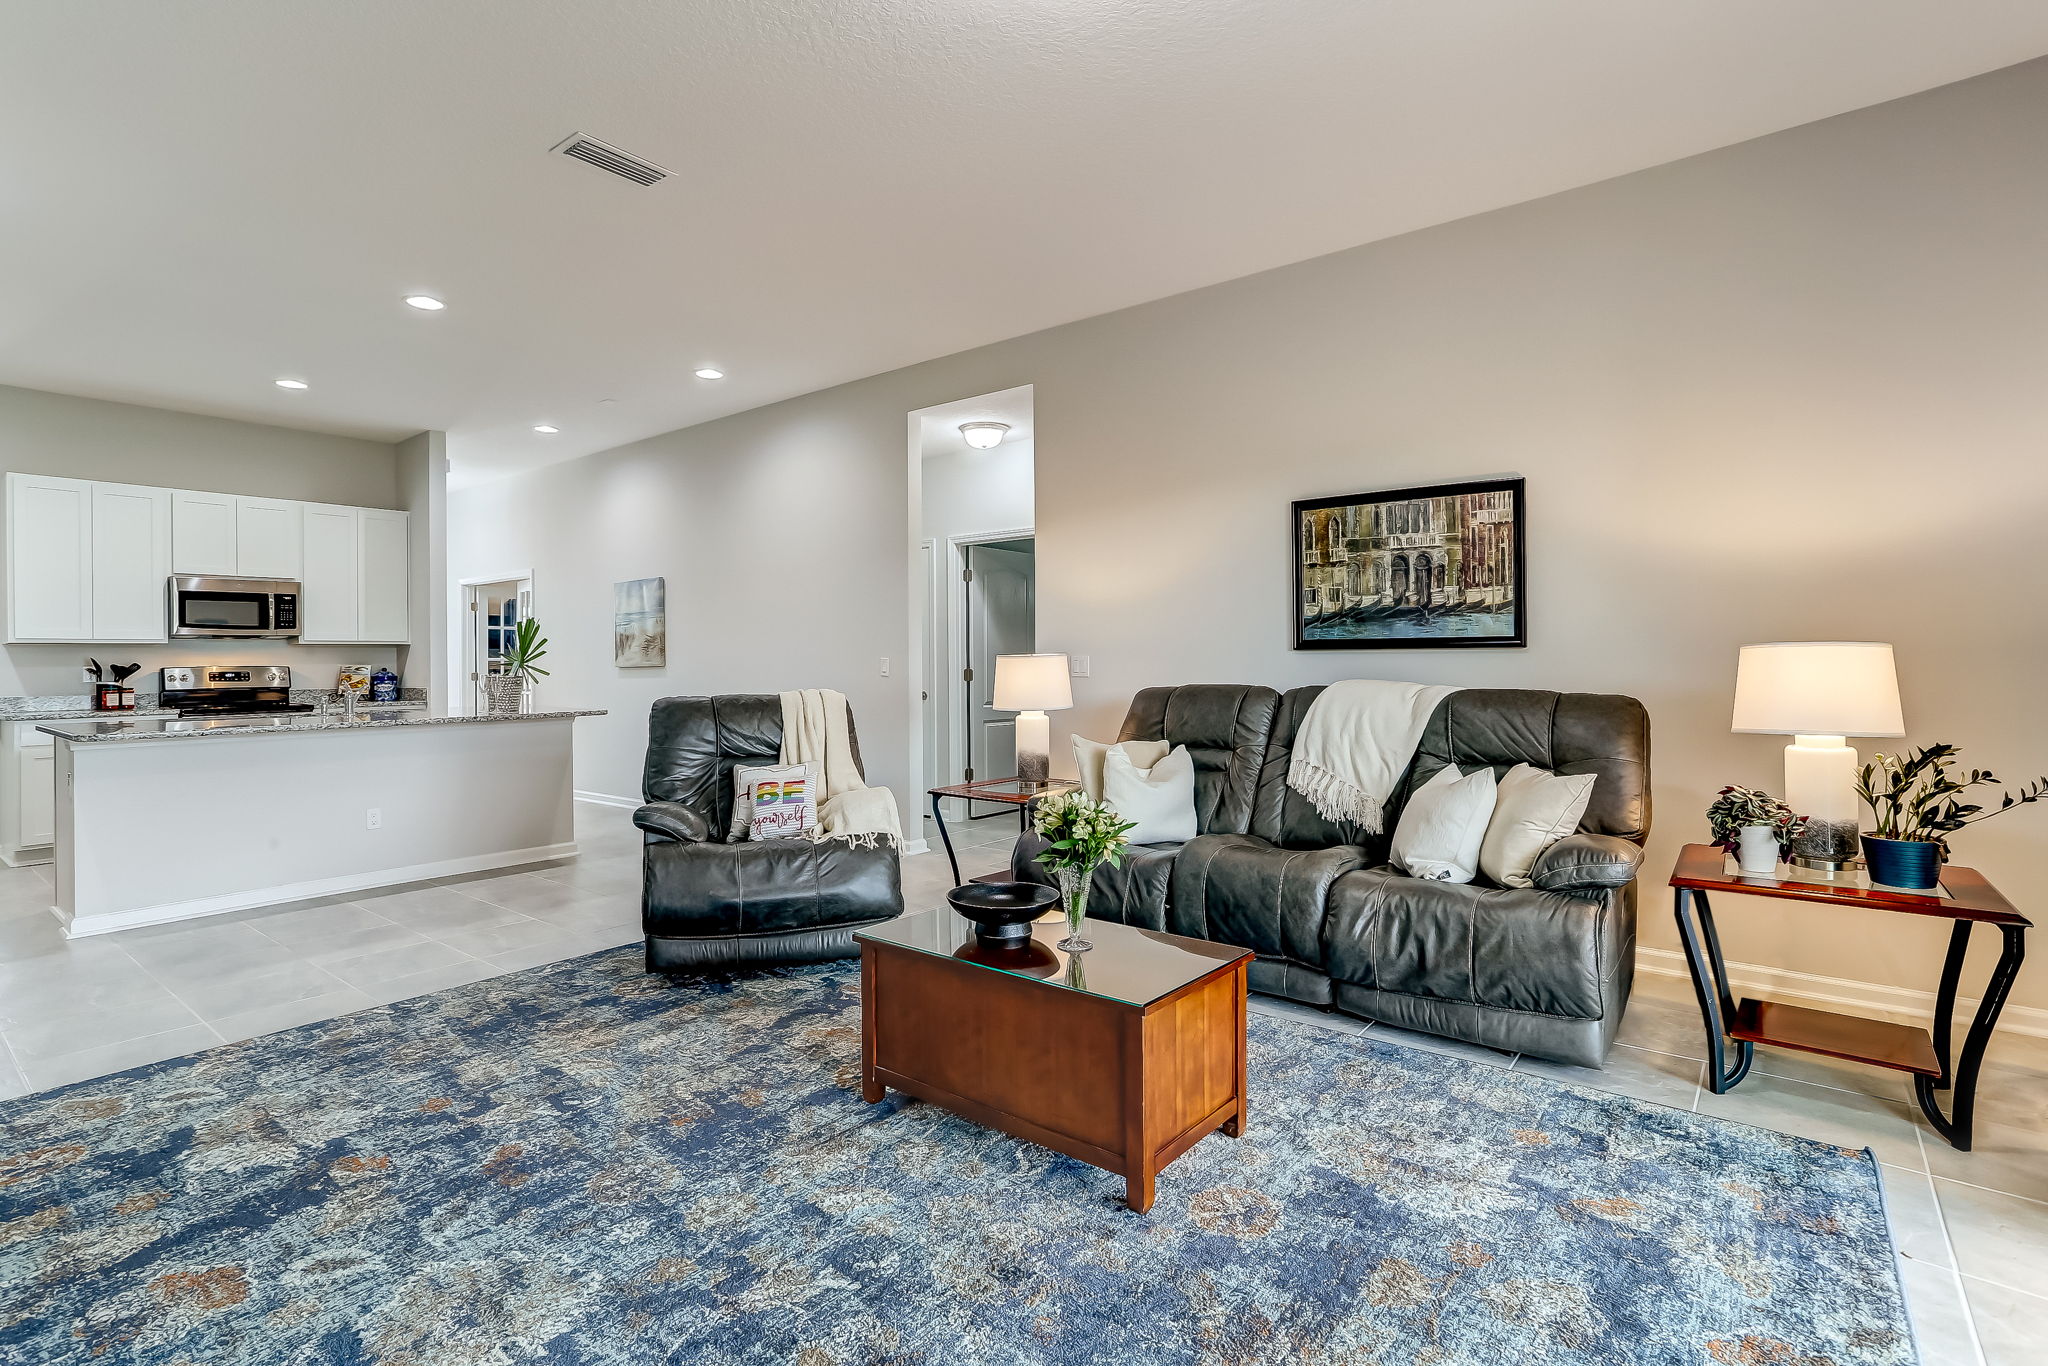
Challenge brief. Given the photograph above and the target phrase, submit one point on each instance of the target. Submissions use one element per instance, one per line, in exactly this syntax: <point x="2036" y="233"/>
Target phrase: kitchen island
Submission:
<point x="162" y="819"/>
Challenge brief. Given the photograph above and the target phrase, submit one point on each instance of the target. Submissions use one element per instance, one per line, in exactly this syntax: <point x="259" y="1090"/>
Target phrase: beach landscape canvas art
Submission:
<point x="1435" y="566"/>
<point x="639" y="624"/>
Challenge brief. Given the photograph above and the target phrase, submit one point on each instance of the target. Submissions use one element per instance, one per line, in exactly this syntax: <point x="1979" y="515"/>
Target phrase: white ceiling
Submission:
<point x="938" y="428"/>
<point x="196" y="198"/>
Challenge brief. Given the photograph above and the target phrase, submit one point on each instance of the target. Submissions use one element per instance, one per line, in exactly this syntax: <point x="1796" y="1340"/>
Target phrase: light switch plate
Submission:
<point x="1077" y="665"/>
<point x="885" y="666"/>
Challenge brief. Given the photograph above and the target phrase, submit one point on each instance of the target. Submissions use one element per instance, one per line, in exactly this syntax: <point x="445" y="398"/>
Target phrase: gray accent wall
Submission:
<point x="1791" y="389"/>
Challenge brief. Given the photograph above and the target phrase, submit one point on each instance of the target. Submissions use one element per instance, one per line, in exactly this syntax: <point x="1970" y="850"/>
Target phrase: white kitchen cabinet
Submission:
<point x="267" y="538"/>
<point x="28" y="795"/>
<point x="330" y="578"/>
<point x="49" y="558"/>
<point x="381" y="552"/>
<point x="202" y="533"/>
<point x="131" y="562"/>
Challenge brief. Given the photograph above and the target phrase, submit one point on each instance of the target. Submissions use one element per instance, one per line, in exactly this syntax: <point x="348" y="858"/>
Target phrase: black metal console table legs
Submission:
<point x="1710" y="983"/>
<point x="939" y="819"/>
<point x="1962" y="1077"/>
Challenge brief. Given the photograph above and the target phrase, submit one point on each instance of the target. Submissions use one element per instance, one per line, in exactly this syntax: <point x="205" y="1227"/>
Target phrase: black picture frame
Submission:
<point x="1378" y="604"/>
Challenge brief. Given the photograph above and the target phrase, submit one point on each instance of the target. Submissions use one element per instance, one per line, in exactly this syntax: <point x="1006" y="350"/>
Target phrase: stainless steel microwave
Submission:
<point x="202" y="606"/>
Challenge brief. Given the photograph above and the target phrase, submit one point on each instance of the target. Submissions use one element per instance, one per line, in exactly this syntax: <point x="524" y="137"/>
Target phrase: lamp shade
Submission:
<point x="1032" y="683"/>
<point x="1817" y="687"/>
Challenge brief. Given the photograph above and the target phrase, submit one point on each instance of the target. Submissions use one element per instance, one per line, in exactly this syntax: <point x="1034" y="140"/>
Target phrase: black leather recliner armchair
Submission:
<point x="1544" y="970"/>
<point x="707" y="903"/>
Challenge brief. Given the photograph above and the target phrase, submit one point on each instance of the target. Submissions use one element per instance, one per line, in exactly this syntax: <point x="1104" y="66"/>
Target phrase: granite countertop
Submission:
<point x="78" y="713"/>
<point x="299" y="723"/>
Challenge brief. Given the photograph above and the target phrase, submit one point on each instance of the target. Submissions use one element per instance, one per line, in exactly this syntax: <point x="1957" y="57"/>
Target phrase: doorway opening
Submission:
<point x="495" y="608"/>
<point x="974" y="568"/>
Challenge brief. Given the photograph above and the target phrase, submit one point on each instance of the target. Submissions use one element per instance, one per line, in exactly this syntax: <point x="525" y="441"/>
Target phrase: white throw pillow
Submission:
<point x="1160" y="798"/>
<point x="773" y="802"/>
<point x="1443" y="825"/>
<point x="1534" y="811"/>
<point x="1088" y="756"/>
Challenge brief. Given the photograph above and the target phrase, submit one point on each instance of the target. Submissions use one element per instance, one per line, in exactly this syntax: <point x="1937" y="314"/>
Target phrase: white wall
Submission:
<point x="86" y="438"/>
<point x="422" y="469"/>
<point x="1787" y="390"/>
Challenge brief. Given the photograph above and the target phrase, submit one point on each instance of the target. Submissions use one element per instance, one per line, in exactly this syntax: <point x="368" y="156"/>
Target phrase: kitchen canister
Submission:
<point x="383" y="685"/>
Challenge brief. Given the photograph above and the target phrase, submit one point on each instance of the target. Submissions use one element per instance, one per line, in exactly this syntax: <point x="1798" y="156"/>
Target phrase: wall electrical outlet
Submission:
<point x="885" y="666"/>
<point x="373" y="819"/>
<point x="1077" y="665"/>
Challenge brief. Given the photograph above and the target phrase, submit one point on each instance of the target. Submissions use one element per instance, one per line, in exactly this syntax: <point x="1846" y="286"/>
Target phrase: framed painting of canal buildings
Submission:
<point x="1439" y="566"/>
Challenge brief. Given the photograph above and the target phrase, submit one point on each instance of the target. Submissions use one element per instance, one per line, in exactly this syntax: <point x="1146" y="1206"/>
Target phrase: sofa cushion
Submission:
<point x="1134" y="894"/>
<point x="1510" y="949"/>
<point x="1283" y="817"/>
<point x="1241" y="890"/>
<point x="1563" y="733"/>
<point x="1228" y="731"/>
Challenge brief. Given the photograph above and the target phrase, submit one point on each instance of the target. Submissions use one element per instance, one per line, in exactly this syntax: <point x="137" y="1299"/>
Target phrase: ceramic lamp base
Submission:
<point x="1034" y="760"/>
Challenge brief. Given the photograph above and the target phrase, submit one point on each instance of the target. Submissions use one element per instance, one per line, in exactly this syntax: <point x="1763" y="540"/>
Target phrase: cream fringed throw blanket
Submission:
<point x="1356" y="742"/>
<point x="814" y="731"/>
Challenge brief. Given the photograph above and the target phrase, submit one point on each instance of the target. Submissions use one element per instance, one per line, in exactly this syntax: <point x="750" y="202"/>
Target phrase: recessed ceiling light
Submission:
<point x="544" y="427"/>
<point x="709" y="372"/>
<point x="425" y="302"/>
<point x="291" y="384"/>
<point x="984" y="436"/>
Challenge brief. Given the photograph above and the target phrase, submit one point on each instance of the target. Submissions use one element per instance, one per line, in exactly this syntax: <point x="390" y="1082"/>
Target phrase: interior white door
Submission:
<point x="267" y="532"/>
<point x="131" y="562"/>
<point x="382" y="548"/>
<point x="330" y="584"/>
<point x="1001" y="620"/>
<point x="202" y="533"/>
<point x="49" y="558"/>
<point x="36" y="797"/>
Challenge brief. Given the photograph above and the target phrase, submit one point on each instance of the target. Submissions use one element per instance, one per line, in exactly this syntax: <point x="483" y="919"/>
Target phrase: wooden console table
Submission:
<point x="1017" y="792"/>
<point x="1964" y="897"/>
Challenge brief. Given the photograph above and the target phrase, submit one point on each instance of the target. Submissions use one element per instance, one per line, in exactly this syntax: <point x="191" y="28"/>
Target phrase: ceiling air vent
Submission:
<point x="606" y="157"/>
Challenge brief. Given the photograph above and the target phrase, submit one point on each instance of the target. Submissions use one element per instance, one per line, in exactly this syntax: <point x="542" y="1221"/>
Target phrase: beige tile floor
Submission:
<point x="1972" y="1228"/>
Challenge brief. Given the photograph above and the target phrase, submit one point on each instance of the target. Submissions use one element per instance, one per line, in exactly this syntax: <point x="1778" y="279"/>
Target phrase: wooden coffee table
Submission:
<point x="1124" y="1056"/>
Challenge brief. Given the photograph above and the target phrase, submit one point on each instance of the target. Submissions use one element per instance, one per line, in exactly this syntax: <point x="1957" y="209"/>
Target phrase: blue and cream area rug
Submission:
<point x="584" y="1164"/>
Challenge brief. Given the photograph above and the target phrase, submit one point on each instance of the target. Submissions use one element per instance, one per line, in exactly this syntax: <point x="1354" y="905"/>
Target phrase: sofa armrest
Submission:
<point x="1587" y="861"/>
<point x="672" y="820"/>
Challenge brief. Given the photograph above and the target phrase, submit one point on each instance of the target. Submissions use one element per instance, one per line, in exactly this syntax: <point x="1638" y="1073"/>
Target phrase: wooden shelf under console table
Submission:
<point x="1964" y="897"/>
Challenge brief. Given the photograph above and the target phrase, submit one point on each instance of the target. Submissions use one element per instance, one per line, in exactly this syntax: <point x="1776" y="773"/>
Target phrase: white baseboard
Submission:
<point x="916" y="847"/>
<point x="607" y="799"/>
<point x="1805" y="988"/>
<point x="78" y="927"/>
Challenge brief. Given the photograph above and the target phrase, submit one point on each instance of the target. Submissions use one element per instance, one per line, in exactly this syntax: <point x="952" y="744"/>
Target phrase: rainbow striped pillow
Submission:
<point x="774" y="803"/>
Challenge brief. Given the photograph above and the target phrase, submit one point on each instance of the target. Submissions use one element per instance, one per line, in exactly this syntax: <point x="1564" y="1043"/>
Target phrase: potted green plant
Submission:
<point x="1754" y="826"/>
<point x="507" y="690"/>
<point x="1917" y="803"/>
<point x="1084" y="834"/>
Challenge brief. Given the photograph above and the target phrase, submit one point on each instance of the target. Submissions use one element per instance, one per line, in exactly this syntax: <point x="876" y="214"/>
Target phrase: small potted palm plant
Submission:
<point x="1754" y="826"/>
<point x="1084" y="834"/>
<point x="1917" y="803"/>
<point x="507" y="690"/>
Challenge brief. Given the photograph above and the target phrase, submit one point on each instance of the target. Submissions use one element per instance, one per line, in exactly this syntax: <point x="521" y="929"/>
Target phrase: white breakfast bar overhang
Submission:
<point x="162" y="820"/>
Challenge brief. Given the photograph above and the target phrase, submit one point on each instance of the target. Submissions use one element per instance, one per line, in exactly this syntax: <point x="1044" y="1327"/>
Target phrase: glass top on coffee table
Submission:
<point x="1127" y="964"/>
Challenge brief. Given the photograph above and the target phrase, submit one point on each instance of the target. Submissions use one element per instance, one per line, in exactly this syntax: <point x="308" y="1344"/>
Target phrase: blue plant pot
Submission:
<point x="1912" y="864"/>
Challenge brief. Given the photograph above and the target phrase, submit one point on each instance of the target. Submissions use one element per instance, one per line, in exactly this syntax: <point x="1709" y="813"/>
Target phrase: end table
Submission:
<point x="1964" y="896"/>
<point x="1017" y="792"/>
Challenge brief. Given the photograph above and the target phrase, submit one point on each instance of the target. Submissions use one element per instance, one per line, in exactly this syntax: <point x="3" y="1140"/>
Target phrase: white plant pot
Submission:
<point x="1756" y="850"/>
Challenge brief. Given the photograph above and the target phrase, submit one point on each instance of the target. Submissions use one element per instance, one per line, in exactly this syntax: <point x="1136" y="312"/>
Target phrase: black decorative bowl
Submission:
<point x="1002" y="912"/>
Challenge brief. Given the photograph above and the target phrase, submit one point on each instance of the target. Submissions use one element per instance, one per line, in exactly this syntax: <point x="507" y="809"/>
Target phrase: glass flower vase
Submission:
<point x="1074" y="884"/>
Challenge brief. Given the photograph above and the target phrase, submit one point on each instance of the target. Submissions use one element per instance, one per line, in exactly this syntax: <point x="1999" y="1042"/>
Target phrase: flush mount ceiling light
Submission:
<point x="984" y="435"/>
<point x="708" y="372"/>
<point x="426" y="303"/>
<point x="545" y="429"/>
<point x="290" y="383"/>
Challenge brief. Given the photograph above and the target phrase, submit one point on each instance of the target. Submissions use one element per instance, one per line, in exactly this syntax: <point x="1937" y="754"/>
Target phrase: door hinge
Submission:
<point x="967" y="576"/>
<point x="970" y="775"/>
<point x="967" y="675"/>
<point x="472" y="604"/>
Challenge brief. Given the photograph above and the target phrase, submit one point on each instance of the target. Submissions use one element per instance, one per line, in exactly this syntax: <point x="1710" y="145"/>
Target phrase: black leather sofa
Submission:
<point x="708" y="904"/>
<point x="1543" y="970"/>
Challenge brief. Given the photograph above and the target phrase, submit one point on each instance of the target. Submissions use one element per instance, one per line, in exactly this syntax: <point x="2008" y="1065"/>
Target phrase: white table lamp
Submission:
<point x="1031" y="686"/>
<point x="1819" y="692"/>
